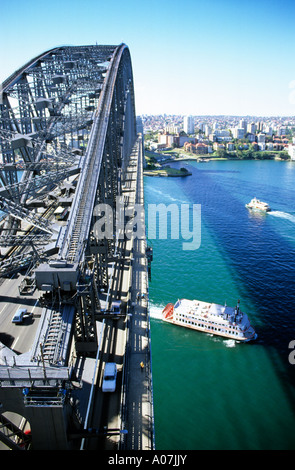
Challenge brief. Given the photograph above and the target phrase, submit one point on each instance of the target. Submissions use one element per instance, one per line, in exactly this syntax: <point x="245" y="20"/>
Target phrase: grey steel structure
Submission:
<point x="67" y="130"/>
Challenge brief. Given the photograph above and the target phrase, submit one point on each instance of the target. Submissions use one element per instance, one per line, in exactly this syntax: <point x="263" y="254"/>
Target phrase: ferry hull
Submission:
<point x="258" y="209"/>
<point x="203" y="330"/>
<point x="249" y="334"/>
<point x="256" y="205"/>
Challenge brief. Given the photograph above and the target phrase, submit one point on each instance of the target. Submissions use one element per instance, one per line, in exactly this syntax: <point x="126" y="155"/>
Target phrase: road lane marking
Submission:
<point x="14" y="343"/>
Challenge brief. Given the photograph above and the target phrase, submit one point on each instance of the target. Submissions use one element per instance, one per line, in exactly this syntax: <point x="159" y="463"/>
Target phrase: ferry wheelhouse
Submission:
<point x="229" y="322"/>
<point x="256" y="204"/>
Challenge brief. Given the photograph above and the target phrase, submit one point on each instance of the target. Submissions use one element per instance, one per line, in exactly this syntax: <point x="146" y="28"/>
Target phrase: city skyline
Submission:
<point x="231" y="58"/>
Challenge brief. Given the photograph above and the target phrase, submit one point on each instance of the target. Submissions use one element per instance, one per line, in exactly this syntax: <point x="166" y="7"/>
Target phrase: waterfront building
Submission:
<point x="217" y="146"/>
<point x="278" y="146"/>
<point x="201" y="148"/>
<point x="189" y="147"/>
<point x="261" y="142"/>
<point x="261" y="138"/>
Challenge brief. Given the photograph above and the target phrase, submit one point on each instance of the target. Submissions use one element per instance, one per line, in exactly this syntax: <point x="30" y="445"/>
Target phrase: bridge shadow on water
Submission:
<point x="261" y="261"/>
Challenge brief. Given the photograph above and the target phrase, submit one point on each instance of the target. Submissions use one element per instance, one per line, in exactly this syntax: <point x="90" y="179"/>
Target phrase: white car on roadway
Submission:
<point x="19" y="315"/>
<point x="109" y="377"/>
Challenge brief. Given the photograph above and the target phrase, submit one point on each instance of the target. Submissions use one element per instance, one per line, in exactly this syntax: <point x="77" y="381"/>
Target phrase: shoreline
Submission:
<point x="163" y="172"/>
<point x="208" y="159"/>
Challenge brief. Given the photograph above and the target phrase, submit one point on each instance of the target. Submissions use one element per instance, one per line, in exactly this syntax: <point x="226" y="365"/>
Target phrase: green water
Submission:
<point x="209" y="392"/>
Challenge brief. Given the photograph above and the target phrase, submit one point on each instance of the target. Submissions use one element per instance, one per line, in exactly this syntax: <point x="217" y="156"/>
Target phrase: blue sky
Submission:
<point x="188" y="57"/>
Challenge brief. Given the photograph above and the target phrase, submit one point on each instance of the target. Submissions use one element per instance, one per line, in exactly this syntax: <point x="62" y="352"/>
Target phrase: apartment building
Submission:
<point x="189" y="124"/>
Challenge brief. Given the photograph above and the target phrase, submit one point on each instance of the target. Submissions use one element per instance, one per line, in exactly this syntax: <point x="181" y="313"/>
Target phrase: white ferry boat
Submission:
<point x="255" y="204"/>
<point x="210" y="318"/>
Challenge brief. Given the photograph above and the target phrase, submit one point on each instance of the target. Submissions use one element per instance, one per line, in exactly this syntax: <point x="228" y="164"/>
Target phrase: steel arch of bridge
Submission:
<point x="68" y="147"/>
<point x="67" y="116"/>
<point x="51" y="109"/>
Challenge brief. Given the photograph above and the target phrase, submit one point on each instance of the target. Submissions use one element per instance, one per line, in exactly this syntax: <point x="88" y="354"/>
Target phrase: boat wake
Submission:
<point x="169" y="197"/>
<point x="229" y="343"/>
<point x="283" y="215"/>
<point x="156" y="311"/>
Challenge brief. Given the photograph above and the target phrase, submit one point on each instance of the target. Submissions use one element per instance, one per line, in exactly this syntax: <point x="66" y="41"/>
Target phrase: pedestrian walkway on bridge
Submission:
<point x="139" y="395"/>
<point x="139" y="406"/>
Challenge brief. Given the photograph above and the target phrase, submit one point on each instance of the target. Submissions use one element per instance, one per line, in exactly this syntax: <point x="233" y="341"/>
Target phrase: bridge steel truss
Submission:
<point x="67" y="129"/>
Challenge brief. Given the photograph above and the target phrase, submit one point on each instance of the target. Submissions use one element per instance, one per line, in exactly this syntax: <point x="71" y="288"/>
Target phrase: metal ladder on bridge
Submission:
<point x="53" y="338"/>
<point x="76" y="232"/>
<point x="75" y="238"/>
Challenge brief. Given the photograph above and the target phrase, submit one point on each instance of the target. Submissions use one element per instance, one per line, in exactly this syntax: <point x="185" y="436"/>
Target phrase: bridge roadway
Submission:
<point x="125" y="341"/>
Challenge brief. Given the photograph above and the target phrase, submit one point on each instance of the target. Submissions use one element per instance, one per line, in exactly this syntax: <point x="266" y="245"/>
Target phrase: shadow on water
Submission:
<point x="261" y="260"/>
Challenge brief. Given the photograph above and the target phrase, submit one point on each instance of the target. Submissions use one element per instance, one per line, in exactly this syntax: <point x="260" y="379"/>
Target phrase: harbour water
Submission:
<point x="210" y="392"/>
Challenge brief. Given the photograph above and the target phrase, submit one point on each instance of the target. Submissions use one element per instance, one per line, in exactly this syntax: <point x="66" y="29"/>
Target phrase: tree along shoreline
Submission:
<point x="156" y="163"/>
<point x="167" y="157"/>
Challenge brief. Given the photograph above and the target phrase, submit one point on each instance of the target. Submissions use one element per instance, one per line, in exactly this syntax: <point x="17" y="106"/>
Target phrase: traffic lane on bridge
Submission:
<point x="17" y="337"/>
<point x="111" y="416"/>
<point x="107" y="405"/>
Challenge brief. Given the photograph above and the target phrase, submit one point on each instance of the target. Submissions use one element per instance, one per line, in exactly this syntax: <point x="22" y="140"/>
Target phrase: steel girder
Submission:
<point x="68" y="113"/>
<point x="48" y="112"/>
